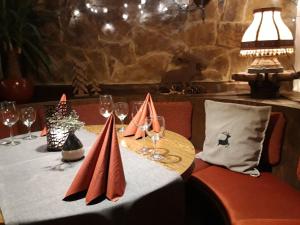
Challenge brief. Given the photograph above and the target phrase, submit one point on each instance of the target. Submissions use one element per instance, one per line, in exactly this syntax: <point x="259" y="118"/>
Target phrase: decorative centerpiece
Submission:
<point x="56" y="133"/>
<point x="72" y="150"/>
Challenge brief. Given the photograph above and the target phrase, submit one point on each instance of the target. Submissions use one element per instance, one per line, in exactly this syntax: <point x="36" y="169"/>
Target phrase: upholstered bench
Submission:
<point x="240" y="199"/>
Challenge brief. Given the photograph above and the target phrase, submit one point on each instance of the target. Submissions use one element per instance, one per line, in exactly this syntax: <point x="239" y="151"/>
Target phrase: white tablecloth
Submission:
<point x="33" y="183"/>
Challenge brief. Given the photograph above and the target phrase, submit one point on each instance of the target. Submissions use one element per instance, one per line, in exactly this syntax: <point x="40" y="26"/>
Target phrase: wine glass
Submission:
<point x="28" y="116"/>
<point x="142" y="125"/>
<point x="156" y="135"/>
<point x="121" y="111"/>
<point x="10" y="116"/>
<point x="106" y="105"/>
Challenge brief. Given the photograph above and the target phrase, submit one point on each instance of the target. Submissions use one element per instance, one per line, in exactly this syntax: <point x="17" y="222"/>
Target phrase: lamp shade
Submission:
<point x="267" y="35"/>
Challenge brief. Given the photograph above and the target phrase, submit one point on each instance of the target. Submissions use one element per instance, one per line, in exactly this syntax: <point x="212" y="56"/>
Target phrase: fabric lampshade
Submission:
<point x="267" y="35"/>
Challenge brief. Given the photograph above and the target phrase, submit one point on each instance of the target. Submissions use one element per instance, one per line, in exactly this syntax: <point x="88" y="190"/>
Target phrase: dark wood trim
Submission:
<point x="53" y="92"/>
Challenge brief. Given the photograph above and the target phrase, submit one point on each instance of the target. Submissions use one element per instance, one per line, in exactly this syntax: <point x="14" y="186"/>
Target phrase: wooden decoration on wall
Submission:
<point x="80" y="81"/>
<point x="94" y="88"/>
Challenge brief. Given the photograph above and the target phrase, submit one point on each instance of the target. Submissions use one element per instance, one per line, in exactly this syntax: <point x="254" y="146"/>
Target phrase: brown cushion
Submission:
<point x="89" y="113"/>
<point x="269" y="222"/>
<point x="246" y="197"/>
<point x="200" y="165"/>
<point x="273" y="139"/>
<point x="178" y="116"/>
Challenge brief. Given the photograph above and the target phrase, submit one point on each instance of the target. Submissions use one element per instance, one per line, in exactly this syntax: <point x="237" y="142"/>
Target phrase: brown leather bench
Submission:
<point x="241" y="199"/>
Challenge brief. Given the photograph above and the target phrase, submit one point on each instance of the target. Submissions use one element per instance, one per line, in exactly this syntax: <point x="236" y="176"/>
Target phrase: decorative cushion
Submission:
<point x="234" y="135"/>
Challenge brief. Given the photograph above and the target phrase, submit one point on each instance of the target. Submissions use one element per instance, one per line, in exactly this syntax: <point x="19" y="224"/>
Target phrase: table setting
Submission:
<point x="114" y="183"/>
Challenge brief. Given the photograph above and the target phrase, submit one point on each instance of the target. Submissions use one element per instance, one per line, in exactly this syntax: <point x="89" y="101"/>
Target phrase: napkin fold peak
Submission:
<point x="147" y="109"/>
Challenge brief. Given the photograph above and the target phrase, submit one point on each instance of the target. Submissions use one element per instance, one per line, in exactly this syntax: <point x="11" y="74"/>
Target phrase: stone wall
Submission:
<point x="153" y="46"/>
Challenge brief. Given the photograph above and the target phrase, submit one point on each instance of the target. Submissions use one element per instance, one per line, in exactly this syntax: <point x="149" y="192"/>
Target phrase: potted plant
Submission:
<point x="21" y="48"/>
<point x="72" y="149"/>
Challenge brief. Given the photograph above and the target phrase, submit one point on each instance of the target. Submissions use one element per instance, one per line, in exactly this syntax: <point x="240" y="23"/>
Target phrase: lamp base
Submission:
<point x="265" y="85"/>
<point x="264" y="89"/>
<point x="266" y="64"/>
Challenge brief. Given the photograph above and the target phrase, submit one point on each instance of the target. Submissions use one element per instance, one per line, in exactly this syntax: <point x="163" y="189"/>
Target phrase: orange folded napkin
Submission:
<point x="63" y="98"/>
<point x="147" y="109"/>
<point x="101" y="173"/>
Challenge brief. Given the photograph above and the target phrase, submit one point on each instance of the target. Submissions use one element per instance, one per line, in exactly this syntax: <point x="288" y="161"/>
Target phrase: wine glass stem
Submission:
<point x="11" y="135"/>
<point x="122" y="124"/>
<point x="144" y="139"/>
<point x="29" y="131"/>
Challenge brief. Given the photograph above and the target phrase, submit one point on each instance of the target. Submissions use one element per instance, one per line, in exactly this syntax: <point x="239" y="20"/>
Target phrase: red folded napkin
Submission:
<point x="147" y="109"/>
<point x="63" y="98"/>
<point x="101" y="173"/>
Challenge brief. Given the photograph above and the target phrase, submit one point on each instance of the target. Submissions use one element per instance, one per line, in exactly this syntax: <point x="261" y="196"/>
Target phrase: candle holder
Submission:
<point x="57" y="134"/>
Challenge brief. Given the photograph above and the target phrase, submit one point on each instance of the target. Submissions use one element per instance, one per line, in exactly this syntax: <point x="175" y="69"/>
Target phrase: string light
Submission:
<point x="166" y="7"/>
<point x="125" y="16"/>
<point x="108" y="27"/>
<point x="105" y="10"/>
<point x="162" y="8"/>
<point x="76" y="13"/>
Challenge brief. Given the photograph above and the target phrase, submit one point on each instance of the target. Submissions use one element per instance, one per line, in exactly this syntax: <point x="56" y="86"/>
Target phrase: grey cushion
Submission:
<point x="234" y="135"/>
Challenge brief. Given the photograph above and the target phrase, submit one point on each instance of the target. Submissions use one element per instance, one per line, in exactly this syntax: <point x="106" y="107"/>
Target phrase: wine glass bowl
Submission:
<point x="10" y="117"/>
<point x="28" y="116"/>
<point x="155" y="131"/>
<point x="121" y="111"/>
<point x="106" y="105"/>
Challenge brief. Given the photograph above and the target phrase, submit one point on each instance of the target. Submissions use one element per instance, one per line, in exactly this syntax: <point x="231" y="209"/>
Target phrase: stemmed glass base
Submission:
<point x="10" y="143"/>
<point x="144" y="150"/>
<point x="30" y="137"/>
<point x="156" y="156"/>
<point x="121" y="129"/>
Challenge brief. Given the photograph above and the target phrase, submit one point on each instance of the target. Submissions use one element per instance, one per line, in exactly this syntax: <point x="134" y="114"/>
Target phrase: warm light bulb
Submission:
<point x="125" y="5"/>
<point x="143" y="2"/>
<point x="125" y="16"/>
<point x="162" y="8"/>
<point x="88" y="5"/>
<point x="105" y="10"/>
<point x="76" y="12"/>
<point x="108" y="27"/>
<point x="140" y="6"/>
<point x="142" y="12"/>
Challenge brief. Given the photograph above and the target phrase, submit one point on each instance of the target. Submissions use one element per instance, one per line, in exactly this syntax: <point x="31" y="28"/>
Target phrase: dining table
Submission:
<point x="33" y="182"/>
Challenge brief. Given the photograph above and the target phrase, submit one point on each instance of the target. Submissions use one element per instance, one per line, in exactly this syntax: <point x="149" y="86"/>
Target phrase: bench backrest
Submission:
<point x="89" y="113"/>
<point x="298" y="169"/>
<point x="273" y="140"/>
<point x="178" y="116"/>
